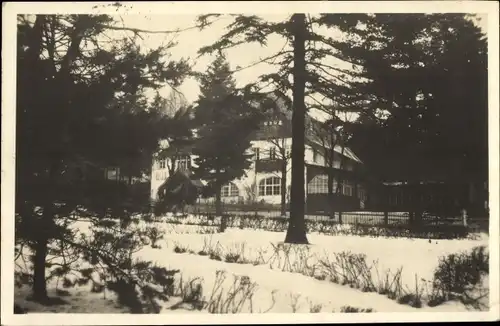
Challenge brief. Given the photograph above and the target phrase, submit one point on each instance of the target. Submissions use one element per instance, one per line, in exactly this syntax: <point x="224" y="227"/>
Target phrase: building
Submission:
<point x="270" y="146"/>
<point x="443" y="198"/>
<point x="114" y="173"/>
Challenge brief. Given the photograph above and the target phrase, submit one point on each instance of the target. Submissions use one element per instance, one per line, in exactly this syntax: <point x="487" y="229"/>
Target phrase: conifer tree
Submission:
<point x="81" y="107"/>
<point x="400" y="50"/>
<point x="224" y="121"/>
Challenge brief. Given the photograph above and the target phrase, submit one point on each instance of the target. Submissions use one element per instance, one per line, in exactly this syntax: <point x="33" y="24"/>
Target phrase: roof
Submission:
<point x="347" y="152"/>
<point x="282" y="107"/>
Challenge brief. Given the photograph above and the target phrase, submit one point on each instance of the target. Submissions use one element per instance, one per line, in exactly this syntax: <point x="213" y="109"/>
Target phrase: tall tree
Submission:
<point x="375" y="50"/>
<point x="295" y="31"/>
<point x="306" y="51"/>
<point x="224" y="122"/>
<point x="296" y="227"/>
<point x="80" y="108"/>
<point x="415" y="123"/>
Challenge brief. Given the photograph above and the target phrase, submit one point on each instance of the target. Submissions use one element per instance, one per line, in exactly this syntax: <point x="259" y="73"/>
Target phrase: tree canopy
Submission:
<point x="224" y="121"/>
<point x="82" y="107"/>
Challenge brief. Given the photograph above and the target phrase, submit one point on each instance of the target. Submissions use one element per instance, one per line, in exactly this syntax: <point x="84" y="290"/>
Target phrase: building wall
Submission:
<point x="248" y="185"/>
<point x="439" y="198"/>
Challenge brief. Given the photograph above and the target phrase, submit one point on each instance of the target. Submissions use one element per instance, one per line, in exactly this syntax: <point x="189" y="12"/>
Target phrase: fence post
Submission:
<point x="386" y="218"/>
<point x="223" y="223"/>
<point x="464" y="216"/>
<point x="340" y="217"/>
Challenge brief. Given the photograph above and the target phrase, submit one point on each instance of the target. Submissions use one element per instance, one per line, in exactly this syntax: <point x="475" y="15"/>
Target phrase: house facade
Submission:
<point x="270" y="147"/>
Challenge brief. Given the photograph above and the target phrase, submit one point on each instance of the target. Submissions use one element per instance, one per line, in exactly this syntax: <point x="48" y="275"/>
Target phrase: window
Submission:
<point x="184" y="163"/>
<point x="335" y="185"/>
<point x="162" y="164"/>
<point x="318" y="185"/>
<point x="161" y="175"/>
<point x="362" y="193"/>
<point x="229" y="190"/>
<point x="256" y="151"/>
<point x="270" y="187"/>
<point x="348" y="189"/>
<point x="315" y="155"/>
<point x="112" y="173"/>
<point x="272" y="153"/>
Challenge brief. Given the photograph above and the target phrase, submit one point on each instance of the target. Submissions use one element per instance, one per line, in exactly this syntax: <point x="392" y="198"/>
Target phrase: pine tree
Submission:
<point x="435" y="66"/>
<point x="296" y="232"/>
<point x="297" y="31"/>
<point x="81" y="109"/>
<point x="224" y="122"/>
<point x="423" y="95"/>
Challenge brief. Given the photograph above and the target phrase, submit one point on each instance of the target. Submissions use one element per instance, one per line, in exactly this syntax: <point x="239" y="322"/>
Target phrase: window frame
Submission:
<point x="270" y="186"/>
<point x="318" y="184"/>
<point x="184" y="163"/>
<point x="256" y="151"/>
<point x="229" y="190"/>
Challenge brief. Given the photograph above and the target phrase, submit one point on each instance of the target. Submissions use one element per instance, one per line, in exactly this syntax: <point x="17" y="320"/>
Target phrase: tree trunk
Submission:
<point x="39" y="284"/>
<point x="218" y="210"/>
<point x="340" y="182"/>
<point x="296" y="232"/>
<point x="331" y="192"/>
<point x="64" y="79"/>
<point x="218" y="202"/>
<point x="283" y="188"/>
<point x="42" y="239"/>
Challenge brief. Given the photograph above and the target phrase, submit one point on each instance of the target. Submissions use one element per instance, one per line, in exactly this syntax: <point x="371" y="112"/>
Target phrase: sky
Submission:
<point x="190" y="41"/>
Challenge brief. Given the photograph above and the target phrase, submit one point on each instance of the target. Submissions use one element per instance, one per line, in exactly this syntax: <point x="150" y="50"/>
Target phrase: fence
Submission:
<point x="363" y="218"/>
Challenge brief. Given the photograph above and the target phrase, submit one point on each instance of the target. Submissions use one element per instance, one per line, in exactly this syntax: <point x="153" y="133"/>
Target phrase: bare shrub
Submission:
<point x="232" y="300"/>
<point x="460" y="276"/>
<point x="191" y="292"/>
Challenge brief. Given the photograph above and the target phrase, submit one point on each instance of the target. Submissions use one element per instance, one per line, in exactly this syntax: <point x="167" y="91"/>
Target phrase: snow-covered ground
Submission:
<point x="417" y="256"/>
<point x="276" y="270"/>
